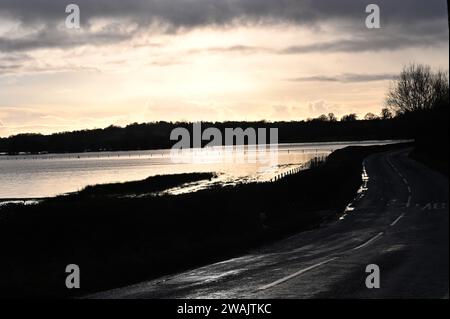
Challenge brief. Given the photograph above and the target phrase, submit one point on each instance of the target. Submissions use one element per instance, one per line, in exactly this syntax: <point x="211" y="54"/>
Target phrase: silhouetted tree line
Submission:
<point x="417" y="105"/>
<point x="157" y="135"/>
<point x="386" y="114"/>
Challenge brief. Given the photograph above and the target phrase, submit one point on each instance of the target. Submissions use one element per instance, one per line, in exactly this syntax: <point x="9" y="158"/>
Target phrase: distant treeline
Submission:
<point x="157" y="135"/>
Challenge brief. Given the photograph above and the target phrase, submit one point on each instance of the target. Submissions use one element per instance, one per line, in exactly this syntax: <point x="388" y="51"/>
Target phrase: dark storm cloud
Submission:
<point x="346" y="78"/>
<point x="191" y="13"/>
<point x="176" y="15"/>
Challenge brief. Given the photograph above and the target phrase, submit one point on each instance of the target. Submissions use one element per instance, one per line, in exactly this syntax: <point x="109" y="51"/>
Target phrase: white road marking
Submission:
<point x="275" y="283"/>
<point x="408" y="203"/>
<point x="298" y="273"/>
<point x="398" y="218"/>
<point x="369" y="241"/>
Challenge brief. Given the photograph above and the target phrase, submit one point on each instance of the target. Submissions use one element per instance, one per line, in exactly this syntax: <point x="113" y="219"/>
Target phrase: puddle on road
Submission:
<point x="360" y="193"/>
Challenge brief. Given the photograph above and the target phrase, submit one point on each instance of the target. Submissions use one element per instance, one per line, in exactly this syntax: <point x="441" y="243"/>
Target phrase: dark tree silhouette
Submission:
<point x="370" y="117"/>
<point x="332" y="117"/>
<point x="349" y="118"/>
<point x="420" y="96"/>
<point x="417" y="88"/>
<point x="386" y="114"/>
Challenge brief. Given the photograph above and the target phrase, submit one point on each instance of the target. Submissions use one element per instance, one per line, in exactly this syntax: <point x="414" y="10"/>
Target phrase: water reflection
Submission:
<point x="37" y="176"/>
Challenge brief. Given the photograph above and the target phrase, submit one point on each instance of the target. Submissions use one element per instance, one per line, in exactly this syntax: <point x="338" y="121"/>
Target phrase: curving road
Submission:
<point x="400" y="223"/>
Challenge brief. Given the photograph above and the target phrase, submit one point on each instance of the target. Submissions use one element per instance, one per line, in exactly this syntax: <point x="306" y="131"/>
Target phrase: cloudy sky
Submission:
<point x="149" y="60"/>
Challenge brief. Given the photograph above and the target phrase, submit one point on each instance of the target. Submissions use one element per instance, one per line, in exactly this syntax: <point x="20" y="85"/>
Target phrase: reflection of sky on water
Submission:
<point x="34" y="176"/>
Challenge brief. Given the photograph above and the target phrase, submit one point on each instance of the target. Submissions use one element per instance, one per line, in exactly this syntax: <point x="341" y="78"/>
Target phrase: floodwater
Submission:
<point x="40" y="176"/>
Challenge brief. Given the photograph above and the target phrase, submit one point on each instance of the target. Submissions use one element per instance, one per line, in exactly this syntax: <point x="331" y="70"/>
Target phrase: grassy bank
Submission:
<point x="147" y="186"/>
<point x="121" y="240"/>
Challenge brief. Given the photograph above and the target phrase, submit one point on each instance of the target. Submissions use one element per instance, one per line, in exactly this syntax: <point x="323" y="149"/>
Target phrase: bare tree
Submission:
<point x="441" y="89"/>
<point x="417" y="88"/>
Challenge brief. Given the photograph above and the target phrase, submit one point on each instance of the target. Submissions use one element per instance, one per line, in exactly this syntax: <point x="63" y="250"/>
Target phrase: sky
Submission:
<point x="205" y="60"/>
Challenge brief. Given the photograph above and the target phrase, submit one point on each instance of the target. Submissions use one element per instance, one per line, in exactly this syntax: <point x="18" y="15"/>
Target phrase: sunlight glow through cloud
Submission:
<point x="117" y="69"/>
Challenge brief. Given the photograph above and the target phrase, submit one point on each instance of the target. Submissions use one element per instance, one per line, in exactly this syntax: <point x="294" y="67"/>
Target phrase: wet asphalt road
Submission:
<point x="400" y="223"/>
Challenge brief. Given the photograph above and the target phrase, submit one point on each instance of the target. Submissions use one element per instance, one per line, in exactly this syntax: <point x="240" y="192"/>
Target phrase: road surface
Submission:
<point x="400" y="223"/>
